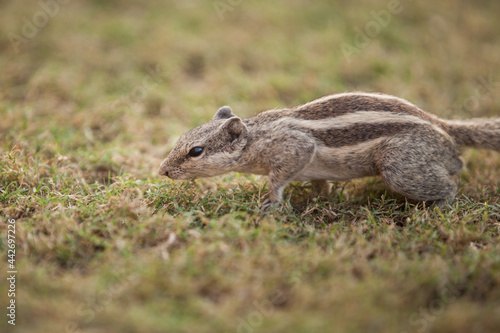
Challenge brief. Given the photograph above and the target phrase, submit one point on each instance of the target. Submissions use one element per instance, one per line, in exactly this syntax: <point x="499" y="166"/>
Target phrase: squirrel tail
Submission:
<point x="477" y="132"/>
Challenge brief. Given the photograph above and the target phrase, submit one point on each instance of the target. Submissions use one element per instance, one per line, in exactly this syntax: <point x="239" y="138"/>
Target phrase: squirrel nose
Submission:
<point x="163" y="171"/>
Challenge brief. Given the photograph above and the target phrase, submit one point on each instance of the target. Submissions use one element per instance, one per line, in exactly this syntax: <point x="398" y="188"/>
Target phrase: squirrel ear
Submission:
<point x="224" y="112"/>
<point x="236" y="128"/>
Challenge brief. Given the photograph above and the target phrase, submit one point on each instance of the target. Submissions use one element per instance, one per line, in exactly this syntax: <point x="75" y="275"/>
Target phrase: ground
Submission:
<point x="93" y="95"/>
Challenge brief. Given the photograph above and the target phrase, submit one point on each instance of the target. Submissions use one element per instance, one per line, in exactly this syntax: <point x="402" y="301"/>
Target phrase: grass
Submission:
<point x="92" y="103"/>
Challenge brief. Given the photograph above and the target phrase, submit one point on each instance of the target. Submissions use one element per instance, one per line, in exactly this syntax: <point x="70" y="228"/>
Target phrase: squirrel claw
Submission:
<point x="269" y="204"/>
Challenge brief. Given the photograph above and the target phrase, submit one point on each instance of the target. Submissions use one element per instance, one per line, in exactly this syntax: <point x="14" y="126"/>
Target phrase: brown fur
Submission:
<point x="337" y="137"/>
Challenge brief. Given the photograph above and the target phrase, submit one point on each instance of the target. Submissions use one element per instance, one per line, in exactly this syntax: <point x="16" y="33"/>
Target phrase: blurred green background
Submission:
<point x="93" y="94"/>
<point x="137" y="71"/>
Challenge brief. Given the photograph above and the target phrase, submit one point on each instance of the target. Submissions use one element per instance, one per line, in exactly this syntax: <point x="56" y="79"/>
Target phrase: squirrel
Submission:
<point x="337" y="137"/>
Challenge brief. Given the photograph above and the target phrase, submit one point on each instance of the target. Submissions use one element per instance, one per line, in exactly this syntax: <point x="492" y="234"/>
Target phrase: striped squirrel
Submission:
<point x="337" y="137"/>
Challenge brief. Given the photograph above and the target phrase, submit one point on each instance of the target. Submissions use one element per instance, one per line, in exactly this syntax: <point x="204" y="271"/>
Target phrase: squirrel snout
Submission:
<point x="163" y="171"/>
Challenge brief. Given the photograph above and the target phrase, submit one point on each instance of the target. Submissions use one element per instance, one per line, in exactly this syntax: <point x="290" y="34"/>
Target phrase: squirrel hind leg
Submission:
<point x="420" y="176"/>
<point x="426" y="183"/>
<point x="321" y="189"/>
<point x="429" y="183"/>
<point x="421" y="167"/>
<point x="442" y="204"/>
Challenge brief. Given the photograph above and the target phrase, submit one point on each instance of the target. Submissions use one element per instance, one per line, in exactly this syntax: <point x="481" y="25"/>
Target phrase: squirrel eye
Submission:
<point x="196" y="151"/>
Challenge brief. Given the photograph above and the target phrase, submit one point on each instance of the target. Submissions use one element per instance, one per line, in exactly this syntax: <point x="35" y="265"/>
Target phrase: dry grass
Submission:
<point x="91" y="104"/>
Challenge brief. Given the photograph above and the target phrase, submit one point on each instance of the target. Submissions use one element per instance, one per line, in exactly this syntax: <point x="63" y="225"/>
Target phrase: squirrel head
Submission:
<point x="208" y="150"/>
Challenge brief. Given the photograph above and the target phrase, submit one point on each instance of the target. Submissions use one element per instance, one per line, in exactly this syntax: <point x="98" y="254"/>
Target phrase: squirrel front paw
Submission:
<point x="268" y="204"/>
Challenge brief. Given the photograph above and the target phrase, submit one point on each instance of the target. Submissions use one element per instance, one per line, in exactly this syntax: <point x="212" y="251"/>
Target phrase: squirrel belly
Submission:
<point x="337" y="137"/>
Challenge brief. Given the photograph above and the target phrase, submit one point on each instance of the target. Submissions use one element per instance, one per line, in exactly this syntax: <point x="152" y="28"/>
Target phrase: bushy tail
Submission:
<point x="478" y="132"/>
